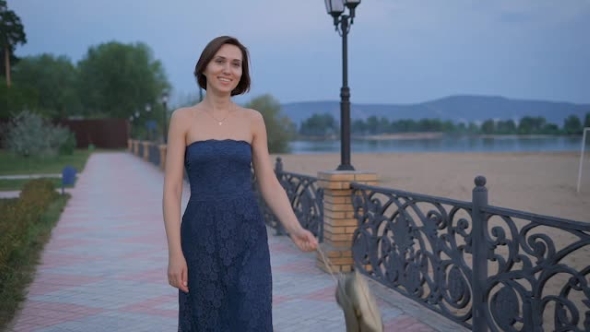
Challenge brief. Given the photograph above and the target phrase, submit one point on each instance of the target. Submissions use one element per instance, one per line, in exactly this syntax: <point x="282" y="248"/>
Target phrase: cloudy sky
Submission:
<point x="400" y="51"/>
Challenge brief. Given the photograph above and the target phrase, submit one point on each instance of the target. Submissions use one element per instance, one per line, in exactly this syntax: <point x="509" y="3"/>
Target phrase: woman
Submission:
<point x="218" y="250"/>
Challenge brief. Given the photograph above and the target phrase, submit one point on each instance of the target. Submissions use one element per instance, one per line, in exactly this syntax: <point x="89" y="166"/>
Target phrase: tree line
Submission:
<point x="111" y="80"/>
<point x="325" y="125"/>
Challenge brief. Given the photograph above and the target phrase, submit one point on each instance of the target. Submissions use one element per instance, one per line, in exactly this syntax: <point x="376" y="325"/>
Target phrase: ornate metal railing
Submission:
<point x="307" y="200"/>
<point x="485" y="267"/>
<point x="539" y="274"/>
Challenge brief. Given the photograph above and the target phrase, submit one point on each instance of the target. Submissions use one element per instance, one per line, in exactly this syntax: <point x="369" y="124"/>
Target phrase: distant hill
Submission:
<point x="460" y="108"/>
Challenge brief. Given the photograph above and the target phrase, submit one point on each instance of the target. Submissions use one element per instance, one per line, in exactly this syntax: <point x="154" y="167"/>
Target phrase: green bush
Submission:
<point x="19" y="216"/>
<point x="24" y="227"/>
<point x="29" y="134"/>
<point x="69" y="145"/>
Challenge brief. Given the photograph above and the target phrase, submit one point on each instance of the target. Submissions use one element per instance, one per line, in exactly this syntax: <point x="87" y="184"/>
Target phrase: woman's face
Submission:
<point x="225" y="69"/>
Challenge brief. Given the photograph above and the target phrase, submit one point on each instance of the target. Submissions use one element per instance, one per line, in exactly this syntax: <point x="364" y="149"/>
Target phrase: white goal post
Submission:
<point x="586" y="130"/>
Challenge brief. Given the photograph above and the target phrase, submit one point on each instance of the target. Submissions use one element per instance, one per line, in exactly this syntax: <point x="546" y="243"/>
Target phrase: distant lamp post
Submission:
<point x="165" y="116"/>
<point x="148" y="109"/>
<point x="343" y="22"/>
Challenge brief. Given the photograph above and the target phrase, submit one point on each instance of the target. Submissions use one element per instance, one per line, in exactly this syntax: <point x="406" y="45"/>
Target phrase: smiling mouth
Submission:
<point x="226" y="80"/>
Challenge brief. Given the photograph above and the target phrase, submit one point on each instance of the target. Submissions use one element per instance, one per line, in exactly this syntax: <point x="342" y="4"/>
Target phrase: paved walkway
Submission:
<point x="105" y="267"/>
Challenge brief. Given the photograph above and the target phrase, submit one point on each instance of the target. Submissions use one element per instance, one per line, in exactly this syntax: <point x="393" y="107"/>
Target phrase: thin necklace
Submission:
<point x="218" y="121"/>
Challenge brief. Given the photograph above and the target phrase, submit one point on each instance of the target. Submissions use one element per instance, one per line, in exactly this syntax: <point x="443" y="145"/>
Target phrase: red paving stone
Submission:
<point x="279" y="299"/>
<point x="150" y="307"/>
<point x="62" y="259"/>
<point x="67" y="243"/>
<point x="156" y="275"/>
<point x="52" y="282"/>
<point x="406" y="323"/>
<point x="298" y="267"/>
<point x="326" y="294"/>
<point x="43" y="314"/>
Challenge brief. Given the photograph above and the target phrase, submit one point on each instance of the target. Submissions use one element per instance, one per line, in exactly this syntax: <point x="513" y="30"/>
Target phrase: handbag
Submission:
<point x="361" y="313"/>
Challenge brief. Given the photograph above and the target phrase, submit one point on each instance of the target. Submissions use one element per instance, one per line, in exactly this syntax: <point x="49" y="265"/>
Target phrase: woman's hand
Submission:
<point x="304" y="240"/>
<point x="178" y="272"/>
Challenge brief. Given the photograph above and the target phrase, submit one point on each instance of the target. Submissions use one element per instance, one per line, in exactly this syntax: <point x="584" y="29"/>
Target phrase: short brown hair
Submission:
<point x="209" y="52"/>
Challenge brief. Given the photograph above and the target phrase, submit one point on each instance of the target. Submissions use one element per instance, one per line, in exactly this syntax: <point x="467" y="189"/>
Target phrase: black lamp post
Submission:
<point x="165" y="116"/>
<point x="148" y="109"/>
<point x="343" y="22"/>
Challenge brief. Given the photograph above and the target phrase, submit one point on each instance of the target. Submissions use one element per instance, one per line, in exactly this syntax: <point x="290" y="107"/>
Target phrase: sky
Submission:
<point x="400" y="51"/>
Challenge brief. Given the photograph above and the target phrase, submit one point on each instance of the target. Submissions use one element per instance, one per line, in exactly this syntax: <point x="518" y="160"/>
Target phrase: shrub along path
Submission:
<point x="25" y="226"/>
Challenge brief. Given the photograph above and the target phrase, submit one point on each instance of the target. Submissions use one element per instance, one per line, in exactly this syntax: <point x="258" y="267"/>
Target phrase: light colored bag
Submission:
<point x="353" y="295"/>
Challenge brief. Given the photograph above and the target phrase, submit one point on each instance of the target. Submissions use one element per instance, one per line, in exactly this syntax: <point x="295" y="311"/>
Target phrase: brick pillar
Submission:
<point x="136" y="147"/>
<point x="162" y="156"/>
<point x="339" y="221"/>
<point x="146" y="150"/>
<point x="130" y="145"/>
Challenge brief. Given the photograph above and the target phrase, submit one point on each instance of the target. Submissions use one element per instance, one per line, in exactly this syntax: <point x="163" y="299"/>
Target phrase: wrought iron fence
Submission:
<point x="307" y="201"/>
<point x="485" y="267"/>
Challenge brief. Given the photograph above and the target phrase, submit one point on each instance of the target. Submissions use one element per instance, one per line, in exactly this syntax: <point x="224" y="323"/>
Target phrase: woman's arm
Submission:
<point x="173" y="179"/>
<point x="273" y="193"/>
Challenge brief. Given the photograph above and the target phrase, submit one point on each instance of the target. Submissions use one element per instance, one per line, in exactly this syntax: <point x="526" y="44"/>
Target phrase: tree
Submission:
<point x="12" y="33"/>
<point x="15" y="99"/>
<point x="54" y="78"/>
<point x="429" y="125"/>
<point x="488" y="127"/>
<point x="448" y="126"/>
<point x="319" y="125"/>
<point x="116" y="79"/>
<point x="372" y="125"/>
<point x="506" y="127"/>
<point x="551" y="129"/>
<point x="358" y="127"/>
<point x="279" y="127"/>
<point x="531" y="125"/>
<point x="572" y="125"/>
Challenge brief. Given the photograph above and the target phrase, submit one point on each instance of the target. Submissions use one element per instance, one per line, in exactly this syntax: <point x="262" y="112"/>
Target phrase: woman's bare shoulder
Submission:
<point x="182" y="113"/>
<point x="252" y="114"/>
<point x="180" y="120"/>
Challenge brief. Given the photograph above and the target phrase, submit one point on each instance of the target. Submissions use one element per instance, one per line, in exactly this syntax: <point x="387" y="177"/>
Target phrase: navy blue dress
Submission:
<point x="224" y="241"/>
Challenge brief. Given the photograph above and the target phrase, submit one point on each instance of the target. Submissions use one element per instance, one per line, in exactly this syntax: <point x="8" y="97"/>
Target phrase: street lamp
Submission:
<point x="148" y="109"/>
<point x="343" y="22"/>
<point x="165" y="116"/>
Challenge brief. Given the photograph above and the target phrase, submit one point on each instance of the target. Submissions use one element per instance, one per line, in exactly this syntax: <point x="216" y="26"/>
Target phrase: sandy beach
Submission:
<point x="541" y="183"/>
